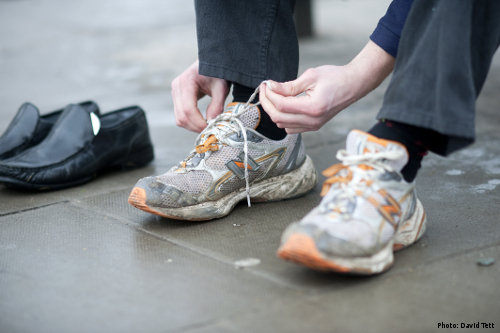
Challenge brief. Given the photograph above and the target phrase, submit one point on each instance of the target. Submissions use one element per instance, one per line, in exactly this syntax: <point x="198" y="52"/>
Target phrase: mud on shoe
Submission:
<point x="231" y="162"/>
<point x="367" y="212"/>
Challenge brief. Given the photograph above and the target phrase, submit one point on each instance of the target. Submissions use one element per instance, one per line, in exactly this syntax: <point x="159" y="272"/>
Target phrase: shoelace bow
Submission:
<point x="225" y="122"/>
<point x="364" y="162"/>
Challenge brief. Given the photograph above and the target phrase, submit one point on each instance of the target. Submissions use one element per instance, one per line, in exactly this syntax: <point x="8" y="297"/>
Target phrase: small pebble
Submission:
<point x="485" y="262"/>
<point x="246" y="263"/>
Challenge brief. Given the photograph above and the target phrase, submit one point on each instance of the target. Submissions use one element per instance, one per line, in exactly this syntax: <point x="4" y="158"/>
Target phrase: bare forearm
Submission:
<point x="369" y="69"/>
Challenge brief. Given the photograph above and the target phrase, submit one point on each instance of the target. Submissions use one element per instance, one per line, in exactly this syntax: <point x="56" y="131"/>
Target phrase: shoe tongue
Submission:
<point x="359" y="142"/>
<point x="250" y="118"/>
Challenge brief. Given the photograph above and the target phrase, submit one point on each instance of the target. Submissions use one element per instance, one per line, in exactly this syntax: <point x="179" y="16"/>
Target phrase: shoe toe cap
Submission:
<point x="149" y="192"/>
<point x="342" y="239"/>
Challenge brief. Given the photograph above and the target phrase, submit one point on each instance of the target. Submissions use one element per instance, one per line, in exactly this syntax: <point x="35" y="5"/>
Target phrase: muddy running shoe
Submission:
<point x="368" y="211"/>
<point x="213" y="178"/>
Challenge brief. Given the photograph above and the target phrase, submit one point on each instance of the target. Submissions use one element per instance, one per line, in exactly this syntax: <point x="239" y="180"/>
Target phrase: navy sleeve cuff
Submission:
<point x="386" y="39"/>
<point x="389" y="28"/>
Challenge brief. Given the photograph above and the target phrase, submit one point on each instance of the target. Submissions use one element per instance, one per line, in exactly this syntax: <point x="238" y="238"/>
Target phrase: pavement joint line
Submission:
<point x="202" y="324"/>
<point x="452" y="255"/>
<point x="62" y="201"/>
<point x="198" y="250"/>
<point x="115" y="190"/>
<point x="33" y="208"/>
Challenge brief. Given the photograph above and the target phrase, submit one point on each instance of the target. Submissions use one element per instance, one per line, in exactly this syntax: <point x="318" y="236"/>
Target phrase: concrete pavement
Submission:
<point x="84" y="260"/>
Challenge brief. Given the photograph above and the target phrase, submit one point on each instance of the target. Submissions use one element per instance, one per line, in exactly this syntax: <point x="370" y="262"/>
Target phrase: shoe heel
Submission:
<point x="137" y="160"/>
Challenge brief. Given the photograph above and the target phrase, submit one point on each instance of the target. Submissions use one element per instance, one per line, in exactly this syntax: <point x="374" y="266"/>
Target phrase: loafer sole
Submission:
<point x="132" y="162"/>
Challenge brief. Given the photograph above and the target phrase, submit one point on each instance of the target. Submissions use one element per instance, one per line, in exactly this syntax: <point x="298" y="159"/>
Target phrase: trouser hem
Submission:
<point x="230" y="75"/>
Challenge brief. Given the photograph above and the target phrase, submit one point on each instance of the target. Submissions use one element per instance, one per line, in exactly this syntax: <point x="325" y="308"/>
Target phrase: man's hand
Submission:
<point x="328" y="90"/>
<point x="187" y="89"/>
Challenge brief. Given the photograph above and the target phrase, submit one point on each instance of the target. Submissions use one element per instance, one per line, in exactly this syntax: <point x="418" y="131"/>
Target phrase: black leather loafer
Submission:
<point x="28" y="128"/>
<point x="78" y="146"/>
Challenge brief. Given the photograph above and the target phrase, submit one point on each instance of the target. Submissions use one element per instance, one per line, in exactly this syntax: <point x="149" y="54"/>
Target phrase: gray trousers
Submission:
<point x="444" y="55"/>
<point x="247" y="41"/>
<point x="443" y="58"/>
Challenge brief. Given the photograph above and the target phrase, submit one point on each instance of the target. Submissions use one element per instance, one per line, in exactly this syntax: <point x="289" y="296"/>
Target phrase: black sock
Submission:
<point x="266" y="126"/>
<point x="417" y="140"/>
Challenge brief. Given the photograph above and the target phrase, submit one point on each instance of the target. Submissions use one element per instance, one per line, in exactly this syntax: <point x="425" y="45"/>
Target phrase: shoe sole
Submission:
<point x="301" y="249"/>
<point x="288" y="186"/>
<point x="128" y="163"/>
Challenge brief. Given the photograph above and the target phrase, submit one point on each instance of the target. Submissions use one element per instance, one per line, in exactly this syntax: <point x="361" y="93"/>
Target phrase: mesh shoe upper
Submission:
<point x="216" y="167"/>
<point x="365" y="198"/>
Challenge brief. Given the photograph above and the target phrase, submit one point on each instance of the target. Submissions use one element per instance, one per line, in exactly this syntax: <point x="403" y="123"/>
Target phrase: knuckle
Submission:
<point x="279" y="105"/>
<point x="316" y="124"/>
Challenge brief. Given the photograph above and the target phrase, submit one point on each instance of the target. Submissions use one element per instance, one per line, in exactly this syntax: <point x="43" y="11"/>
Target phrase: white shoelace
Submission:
<point x="372" y="159"/>
<point x="225" y="123"/>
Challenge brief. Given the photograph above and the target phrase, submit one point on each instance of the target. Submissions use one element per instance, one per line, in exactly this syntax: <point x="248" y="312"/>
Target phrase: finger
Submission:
<point x="281" y="117"/>
<point x="297" y="130"/>
<point x="220" y="90"/>
<point x="291" y="88"/>
<point x="289" y="104"/>
<point x="187" y="114"/>
<point x="183" y="120"/>
<point x="294" y="125"/>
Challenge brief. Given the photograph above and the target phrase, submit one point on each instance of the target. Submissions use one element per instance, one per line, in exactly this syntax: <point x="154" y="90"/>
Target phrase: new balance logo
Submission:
<point x="238" y="166"/>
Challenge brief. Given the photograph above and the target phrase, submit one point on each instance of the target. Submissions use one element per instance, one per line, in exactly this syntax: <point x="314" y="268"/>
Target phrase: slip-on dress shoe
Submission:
<point x="28" y="128"/>
<point x="78" y="146"/>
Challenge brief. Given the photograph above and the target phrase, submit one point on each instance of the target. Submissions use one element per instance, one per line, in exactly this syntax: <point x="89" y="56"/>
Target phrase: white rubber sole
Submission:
<point x="300" y="248"/>
<point x="287" y="186"/>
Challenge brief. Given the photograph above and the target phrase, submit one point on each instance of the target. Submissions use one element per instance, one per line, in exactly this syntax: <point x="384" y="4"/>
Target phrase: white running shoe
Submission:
<point x="231" y="162"/>
<point x="368" y="211"/>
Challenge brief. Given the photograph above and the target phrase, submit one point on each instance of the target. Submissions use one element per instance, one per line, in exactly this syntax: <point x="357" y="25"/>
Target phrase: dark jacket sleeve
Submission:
<point x="388" y="31"/>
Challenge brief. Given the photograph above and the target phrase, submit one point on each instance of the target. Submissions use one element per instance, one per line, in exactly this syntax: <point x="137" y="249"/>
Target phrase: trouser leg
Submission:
<point x="443" y="58"/>
<point x="247" y="41"/>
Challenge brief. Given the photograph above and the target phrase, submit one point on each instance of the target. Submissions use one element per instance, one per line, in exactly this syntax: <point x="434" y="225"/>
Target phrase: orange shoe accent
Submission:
<point x="137" y="199"/>
<point x="242" y="165"/>
<point x="331" y="172"/>
<point x="300" y="249"/>
<point x="397" y="247"/>
<point x="382" y="142"/>
<point x="209" y="144"/>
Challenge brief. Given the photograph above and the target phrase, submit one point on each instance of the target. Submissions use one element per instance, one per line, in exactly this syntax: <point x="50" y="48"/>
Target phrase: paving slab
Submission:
<point x="416" y="300"/>
<point x="67" y="269"/>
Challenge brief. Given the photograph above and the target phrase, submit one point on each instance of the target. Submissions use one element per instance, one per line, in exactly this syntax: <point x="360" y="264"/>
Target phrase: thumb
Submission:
<point x="290" y="88"/>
